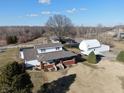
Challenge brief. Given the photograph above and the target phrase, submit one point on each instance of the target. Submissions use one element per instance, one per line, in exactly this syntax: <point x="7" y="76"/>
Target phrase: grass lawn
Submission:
<point x="73" y="49"/>
<point x="37" y="78"/>
<point x="9" y="55"/>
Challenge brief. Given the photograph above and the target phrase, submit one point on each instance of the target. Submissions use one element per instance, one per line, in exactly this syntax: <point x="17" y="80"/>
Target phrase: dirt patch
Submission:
<point x="122" y="81"/>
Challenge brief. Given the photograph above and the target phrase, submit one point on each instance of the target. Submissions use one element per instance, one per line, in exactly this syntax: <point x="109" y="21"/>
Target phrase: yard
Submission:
<point x="105" y="77"/>
<point x="9" y="55"/>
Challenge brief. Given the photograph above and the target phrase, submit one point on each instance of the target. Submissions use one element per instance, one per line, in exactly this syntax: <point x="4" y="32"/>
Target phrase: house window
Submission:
<point x="57" y="48"/>
<point x="43" y="50"/>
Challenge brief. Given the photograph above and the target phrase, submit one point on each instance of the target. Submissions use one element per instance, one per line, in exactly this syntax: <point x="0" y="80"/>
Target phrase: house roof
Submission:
<point x="30" y="54"/>
<point x="55" y="55"/>
<point x="49" y="45"/>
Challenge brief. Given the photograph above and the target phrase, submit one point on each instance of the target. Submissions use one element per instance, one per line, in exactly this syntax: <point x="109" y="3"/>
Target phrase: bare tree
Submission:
<point x="60" y="24"/>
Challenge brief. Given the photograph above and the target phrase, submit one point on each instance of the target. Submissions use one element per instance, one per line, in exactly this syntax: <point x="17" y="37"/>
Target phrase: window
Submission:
<point x="57" y="48"/>
<point x="43" y="50"/>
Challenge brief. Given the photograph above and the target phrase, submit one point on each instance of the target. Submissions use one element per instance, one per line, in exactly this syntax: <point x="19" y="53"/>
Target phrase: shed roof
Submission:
<point x="49" y="45"/>
<point x="93" y="43"/>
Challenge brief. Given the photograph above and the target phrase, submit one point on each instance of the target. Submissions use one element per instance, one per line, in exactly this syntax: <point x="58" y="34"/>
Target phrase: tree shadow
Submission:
<point x="58" y="86"/>
<point x="79" y="58"/>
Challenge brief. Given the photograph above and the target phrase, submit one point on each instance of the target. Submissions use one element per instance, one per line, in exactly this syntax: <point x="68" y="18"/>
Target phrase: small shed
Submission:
<point x="87" y="46"/>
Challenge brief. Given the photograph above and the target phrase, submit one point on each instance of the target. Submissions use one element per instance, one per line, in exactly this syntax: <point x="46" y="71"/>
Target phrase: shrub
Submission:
<point x="14" y="79"/>
<point x="120" y="56"/>
<point x="12" y="39"/>
<point x="92" y="58"/>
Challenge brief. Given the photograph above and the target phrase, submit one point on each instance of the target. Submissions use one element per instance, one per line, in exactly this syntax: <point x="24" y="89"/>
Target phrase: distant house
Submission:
<point x="119" y="32"/>
<point x="54" y="39"/>
<point x="120" y="35"/>
<point x="45" y="56"/>
<point x="87" y="46"/>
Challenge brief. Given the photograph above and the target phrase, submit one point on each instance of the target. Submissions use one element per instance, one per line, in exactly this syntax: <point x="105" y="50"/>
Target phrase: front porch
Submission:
<point x="55" y="66"/>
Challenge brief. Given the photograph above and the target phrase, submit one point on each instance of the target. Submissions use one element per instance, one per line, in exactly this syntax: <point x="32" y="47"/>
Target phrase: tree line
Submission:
<point x="58" y="25"/>
<point x="20" y="34"/>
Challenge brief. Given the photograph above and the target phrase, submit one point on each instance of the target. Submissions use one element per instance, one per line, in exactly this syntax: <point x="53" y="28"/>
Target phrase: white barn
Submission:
<point x="87" y="46"/>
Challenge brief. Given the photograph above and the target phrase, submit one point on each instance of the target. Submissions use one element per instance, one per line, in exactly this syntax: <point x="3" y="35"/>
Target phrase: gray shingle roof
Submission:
<point x="30" y="54"/>
<point x="55" y="55"/>
<point x="49" y="45"/>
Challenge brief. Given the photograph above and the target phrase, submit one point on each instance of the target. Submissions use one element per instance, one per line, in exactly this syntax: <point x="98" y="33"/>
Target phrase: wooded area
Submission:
<point x="57" y="25"/>
<point x="23" y="34"/>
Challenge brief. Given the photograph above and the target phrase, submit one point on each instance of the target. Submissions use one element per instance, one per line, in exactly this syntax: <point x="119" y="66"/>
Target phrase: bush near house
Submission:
<point x="92" y="58"/>
<point x="120" y="56"/>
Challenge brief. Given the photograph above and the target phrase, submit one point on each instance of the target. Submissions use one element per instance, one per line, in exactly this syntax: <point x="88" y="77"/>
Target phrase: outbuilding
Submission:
<point x="87" y="46"/>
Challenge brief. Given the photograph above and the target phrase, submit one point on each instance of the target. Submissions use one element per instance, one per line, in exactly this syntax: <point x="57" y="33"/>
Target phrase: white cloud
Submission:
<point x="45" y="12"/>
<point x="71" y="10"/>
<point x="32" y="15"/>
<point x="50" y="12"/>
<point x="44" y="1"/>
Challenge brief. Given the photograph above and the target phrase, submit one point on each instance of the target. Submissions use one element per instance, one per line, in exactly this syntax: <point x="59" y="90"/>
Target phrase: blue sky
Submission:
<point x="81" y="12"/>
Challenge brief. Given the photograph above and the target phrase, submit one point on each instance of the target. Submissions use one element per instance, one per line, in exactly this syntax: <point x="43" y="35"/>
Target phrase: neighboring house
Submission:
<point x="120" y="35"/>
<point x="45" y="56"/>
<point x="54" y="39"/>
<point x="119" y="32"/>
<point x="78" y="40"/>
<point x="87" y="46"/>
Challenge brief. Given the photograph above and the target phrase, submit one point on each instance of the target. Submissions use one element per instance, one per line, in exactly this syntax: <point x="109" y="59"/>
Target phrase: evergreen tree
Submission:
<point x="92" y="58"/>
<point x="120" y="56"/>
<point x="14" y="79"/>
<point x="12" y="39"/>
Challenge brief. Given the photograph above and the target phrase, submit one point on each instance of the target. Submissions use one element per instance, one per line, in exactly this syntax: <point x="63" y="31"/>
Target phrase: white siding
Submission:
<point x="99" y="50"/>
<point x="88" y="46"/>
<point x="103" y="48"/>
<point x="49" y="50"/>
<point x="22" y="55"/>
<point x="85" y="44"/>
<point x="32" y="63"/>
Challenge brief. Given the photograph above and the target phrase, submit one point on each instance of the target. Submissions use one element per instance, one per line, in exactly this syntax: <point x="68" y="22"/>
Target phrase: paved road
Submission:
<point x="16" y="46"/>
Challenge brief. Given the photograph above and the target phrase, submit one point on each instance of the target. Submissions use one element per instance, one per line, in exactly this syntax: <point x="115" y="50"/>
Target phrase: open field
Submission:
<point x="119" y="45"/>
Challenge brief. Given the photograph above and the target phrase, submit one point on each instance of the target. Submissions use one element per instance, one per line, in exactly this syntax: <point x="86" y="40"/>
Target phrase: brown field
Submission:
<point x="9" y="55"/>
<point x="105" y="77"/>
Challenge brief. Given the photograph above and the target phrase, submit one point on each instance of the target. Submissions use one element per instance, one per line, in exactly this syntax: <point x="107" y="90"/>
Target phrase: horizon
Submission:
<point x="81" y="12"/>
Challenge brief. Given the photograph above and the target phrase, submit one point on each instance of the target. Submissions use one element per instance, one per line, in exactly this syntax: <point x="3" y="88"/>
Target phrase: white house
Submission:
<point x="44" y="54"/>
<point x="87" y="46"/>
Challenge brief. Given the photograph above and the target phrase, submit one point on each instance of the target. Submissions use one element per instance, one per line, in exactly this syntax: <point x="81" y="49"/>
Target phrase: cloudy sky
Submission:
<point x="81" y="12"/>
